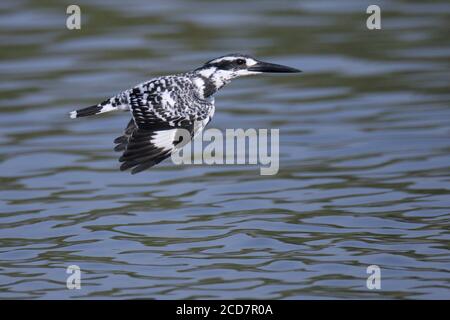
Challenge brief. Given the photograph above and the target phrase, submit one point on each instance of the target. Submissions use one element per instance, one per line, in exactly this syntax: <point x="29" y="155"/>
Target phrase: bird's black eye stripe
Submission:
<point x="223" y="65"/>
<point x="229" y="64"/>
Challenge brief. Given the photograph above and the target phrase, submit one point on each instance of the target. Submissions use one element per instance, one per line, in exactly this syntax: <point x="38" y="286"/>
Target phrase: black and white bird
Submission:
<point x="162" y="106"/>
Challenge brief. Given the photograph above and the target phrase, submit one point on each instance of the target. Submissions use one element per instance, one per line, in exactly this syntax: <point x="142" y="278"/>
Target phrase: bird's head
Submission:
<point x="222" y="70"/>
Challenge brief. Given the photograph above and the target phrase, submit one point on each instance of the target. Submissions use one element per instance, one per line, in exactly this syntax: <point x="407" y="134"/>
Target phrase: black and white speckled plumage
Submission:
<point x="164" y="105"/>
<point x="159" y="108"/>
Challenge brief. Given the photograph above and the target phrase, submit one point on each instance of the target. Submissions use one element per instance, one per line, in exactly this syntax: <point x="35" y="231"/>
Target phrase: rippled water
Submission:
<point x="365" y="153"/>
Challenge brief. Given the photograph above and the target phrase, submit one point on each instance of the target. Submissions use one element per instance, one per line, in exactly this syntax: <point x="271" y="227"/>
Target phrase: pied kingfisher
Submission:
<point x="163" y="105"/>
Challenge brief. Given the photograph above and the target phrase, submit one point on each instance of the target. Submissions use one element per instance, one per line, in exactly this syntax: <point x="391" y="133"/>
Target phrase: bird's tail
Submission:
<point x="112" y="104"/>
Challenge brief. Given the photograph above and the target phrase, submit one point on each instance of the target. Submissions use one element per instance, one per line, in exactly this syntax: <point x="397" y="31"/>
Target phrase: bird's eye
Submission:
<point x="240" y="61"/>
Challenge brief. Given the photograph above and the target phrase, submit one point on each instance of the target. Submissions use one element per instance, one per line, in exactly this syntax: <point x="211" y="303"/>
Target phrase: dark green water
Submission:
<point x="364" y="140"/>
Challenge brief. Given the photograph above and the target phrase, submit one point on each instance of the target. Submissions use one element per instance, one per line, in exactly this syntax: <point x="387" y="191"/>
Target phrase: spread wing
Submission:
<point x="154" y="131"/>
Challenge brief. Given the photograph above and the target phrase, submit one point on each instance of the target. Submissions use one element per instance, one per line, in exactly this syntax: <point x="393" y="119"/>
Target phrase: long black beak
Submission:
<point x="272" y="67"/>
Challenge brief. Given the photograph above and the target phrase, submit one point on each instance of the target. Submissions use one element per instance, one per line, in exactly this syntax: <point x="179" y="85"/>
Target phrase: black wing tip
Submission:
<point x="120" y="139"/>
<point x="139" y="152"/>
<point x="120" y="147"/>
<point x="137" y="169"/>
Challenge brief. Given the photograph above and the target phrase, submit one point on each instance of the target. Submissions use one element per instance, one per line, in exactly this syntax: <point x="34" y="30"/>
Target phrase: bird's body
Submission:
<point x="162" y="106"/>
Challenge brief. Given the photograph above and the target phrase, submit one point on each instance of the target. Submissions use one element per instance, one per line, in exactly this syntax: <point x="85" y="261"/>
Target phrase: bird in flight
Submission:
<point x="162" y="106"/>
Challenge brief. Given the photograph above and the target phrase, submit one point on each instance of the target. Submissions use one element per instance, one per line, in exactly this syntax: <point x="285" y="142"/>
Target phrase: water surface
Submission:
<point x="364" y="166"/>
